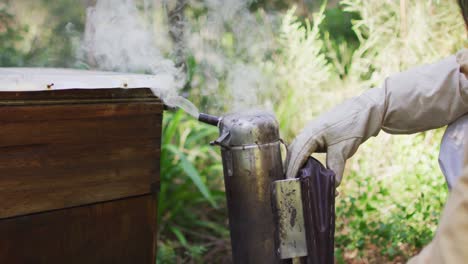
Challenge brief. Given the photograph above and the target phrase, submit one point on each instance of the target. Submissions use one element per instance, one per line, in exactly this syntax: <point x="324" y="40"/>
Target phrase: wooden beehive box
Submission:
<point x="79" y="170"/>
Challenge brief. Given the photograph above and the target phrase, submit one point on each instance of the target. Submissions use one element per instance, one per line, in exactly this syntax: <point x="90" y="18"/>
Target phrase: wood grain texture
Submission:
<point x="56" y="156"/>
<point x="117" y="232"/>
<point x="77" y="94"/>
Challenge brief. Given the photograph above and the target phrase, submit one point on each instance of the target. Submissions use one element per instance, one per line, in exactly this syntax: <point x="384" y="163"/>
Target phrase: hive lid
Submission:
<point x="40" y="79"/>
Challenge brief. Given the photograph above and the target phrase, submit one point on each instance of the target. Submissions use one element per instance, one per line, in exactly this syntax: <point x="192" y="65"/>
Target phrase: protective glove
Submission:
<point x="419" y="99"/>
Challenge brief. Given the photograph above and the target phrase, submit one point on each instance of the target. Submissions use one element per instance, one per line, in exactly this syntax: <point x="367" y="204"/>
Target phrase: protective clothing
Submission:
<point x="452" y="150"/>
<point x="419" y="99"/>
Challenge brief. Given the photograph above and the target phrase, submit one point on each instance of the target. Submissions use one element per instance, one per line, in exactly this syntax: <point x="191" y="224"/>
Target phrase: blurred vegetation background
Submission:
<point x="317" y="56"/>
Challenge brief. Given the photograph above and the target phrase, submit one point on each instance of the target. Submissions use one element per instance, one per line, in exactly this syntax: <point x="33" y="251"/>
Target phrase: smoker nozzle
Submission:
<point x="208" y="119"/>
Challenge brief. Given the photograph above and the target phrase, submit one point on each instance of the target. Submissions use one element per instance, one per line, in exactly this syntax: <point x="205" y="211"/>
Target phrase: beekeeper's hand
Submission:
<point x="422" y="98"/>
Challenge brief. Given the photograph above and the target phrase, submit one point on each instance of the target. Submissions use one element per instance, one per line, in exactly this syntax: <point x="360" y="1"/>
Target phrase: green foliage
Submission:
<point x="191" y="198"/>
<point x="394" y="37"/>
<point x="296" y="39"/>
<point x="339" y="38"/>
<point x="298" y="70"/>
<point x="64" y="31"/>
<point x="389" y="203"/>
<point x="40" y="33"/>
<point x="10" y="36"/>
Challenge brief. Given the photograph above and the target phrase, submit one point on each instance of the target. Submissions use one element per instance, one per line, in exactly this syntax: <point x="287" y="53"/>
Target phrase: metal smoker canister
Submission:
<point x="250" y="149"/>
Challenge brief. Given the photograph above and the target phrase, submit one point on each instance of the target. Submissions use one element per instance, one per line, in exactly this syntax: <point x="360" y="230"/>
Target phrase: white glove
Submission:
<point x="419" y="99"/>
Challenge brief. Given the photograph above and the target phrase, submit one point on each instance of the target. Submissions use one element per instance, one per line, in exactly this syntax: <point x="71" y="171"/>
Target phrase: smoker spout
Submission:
<point x="208" y="119"/>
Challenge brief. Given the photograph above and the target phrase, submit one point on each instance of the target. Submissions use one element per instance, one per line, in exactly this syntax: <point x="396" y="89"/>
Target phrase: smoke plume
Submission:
<point x="228" y="42"/>
<point x="119" y="37"/>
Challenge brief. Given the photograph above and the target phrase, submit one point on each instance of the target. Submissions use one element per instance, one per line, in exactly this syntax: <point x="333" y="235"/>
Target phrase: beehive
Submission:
<point x="79" y="172"/>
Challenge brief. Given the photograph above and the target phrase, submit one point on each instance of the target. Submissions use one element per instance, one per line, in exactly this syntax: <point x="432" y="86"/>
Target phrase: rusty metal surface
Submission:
<point x="250" y="128"/>
<point x="248" y="196"/>
<point x="250" y="149"/>
<point x="287" y="201"/>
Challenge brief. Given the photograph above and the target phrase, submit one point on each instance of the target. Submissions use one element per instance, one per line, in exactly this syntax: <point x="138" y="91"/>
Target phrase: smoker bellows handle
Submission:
<point x="208" y="119"/>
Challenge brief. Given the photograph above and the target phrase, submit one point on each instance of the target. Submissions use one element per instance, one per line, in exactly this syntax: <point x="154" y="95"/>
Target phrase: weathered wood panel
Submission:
<point x="116" y="232"/>
<point x="85" y="130"/>
<point x="25" y="113"/>
<point x="79" y="171"/>
<point x="71" y="154"/>
<point x="78" y="94"/>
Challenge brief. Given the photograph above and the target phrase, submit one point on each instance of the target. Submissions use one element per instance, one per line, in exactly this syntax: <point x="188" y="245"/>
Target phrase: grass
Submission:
<point x="191" y="209"/>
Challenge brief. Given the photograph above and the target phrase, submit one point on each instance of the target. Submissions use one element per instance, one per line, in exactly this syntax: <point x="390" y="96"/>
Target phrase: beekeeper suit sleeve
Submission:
<point x="419" y="99"/>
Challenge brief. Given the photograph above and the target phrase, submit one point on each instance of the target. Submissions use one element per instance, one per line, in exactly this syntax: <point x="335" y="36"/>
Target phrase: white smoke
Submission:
<point x="118" y="38"/>
<point x="228" y="43"/>
<point x="245" y="83"/>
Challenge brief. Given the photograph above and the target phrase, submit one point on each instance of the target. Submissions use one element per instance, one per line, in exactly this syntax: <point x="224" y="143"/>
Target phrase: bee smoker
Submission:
<point x="250" y="150"/>
<point x="272" y="219"/>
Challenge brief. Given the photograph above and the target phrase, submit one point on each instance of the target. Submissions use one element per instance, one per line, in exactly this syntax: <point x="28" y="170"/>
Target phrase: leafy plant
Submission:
<point x="395" y="35"/>
<point x="389" y="202"/>
<point x="11" y="35"/>
<point x="299" y="70"/>
<point x="191" y="198"/>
